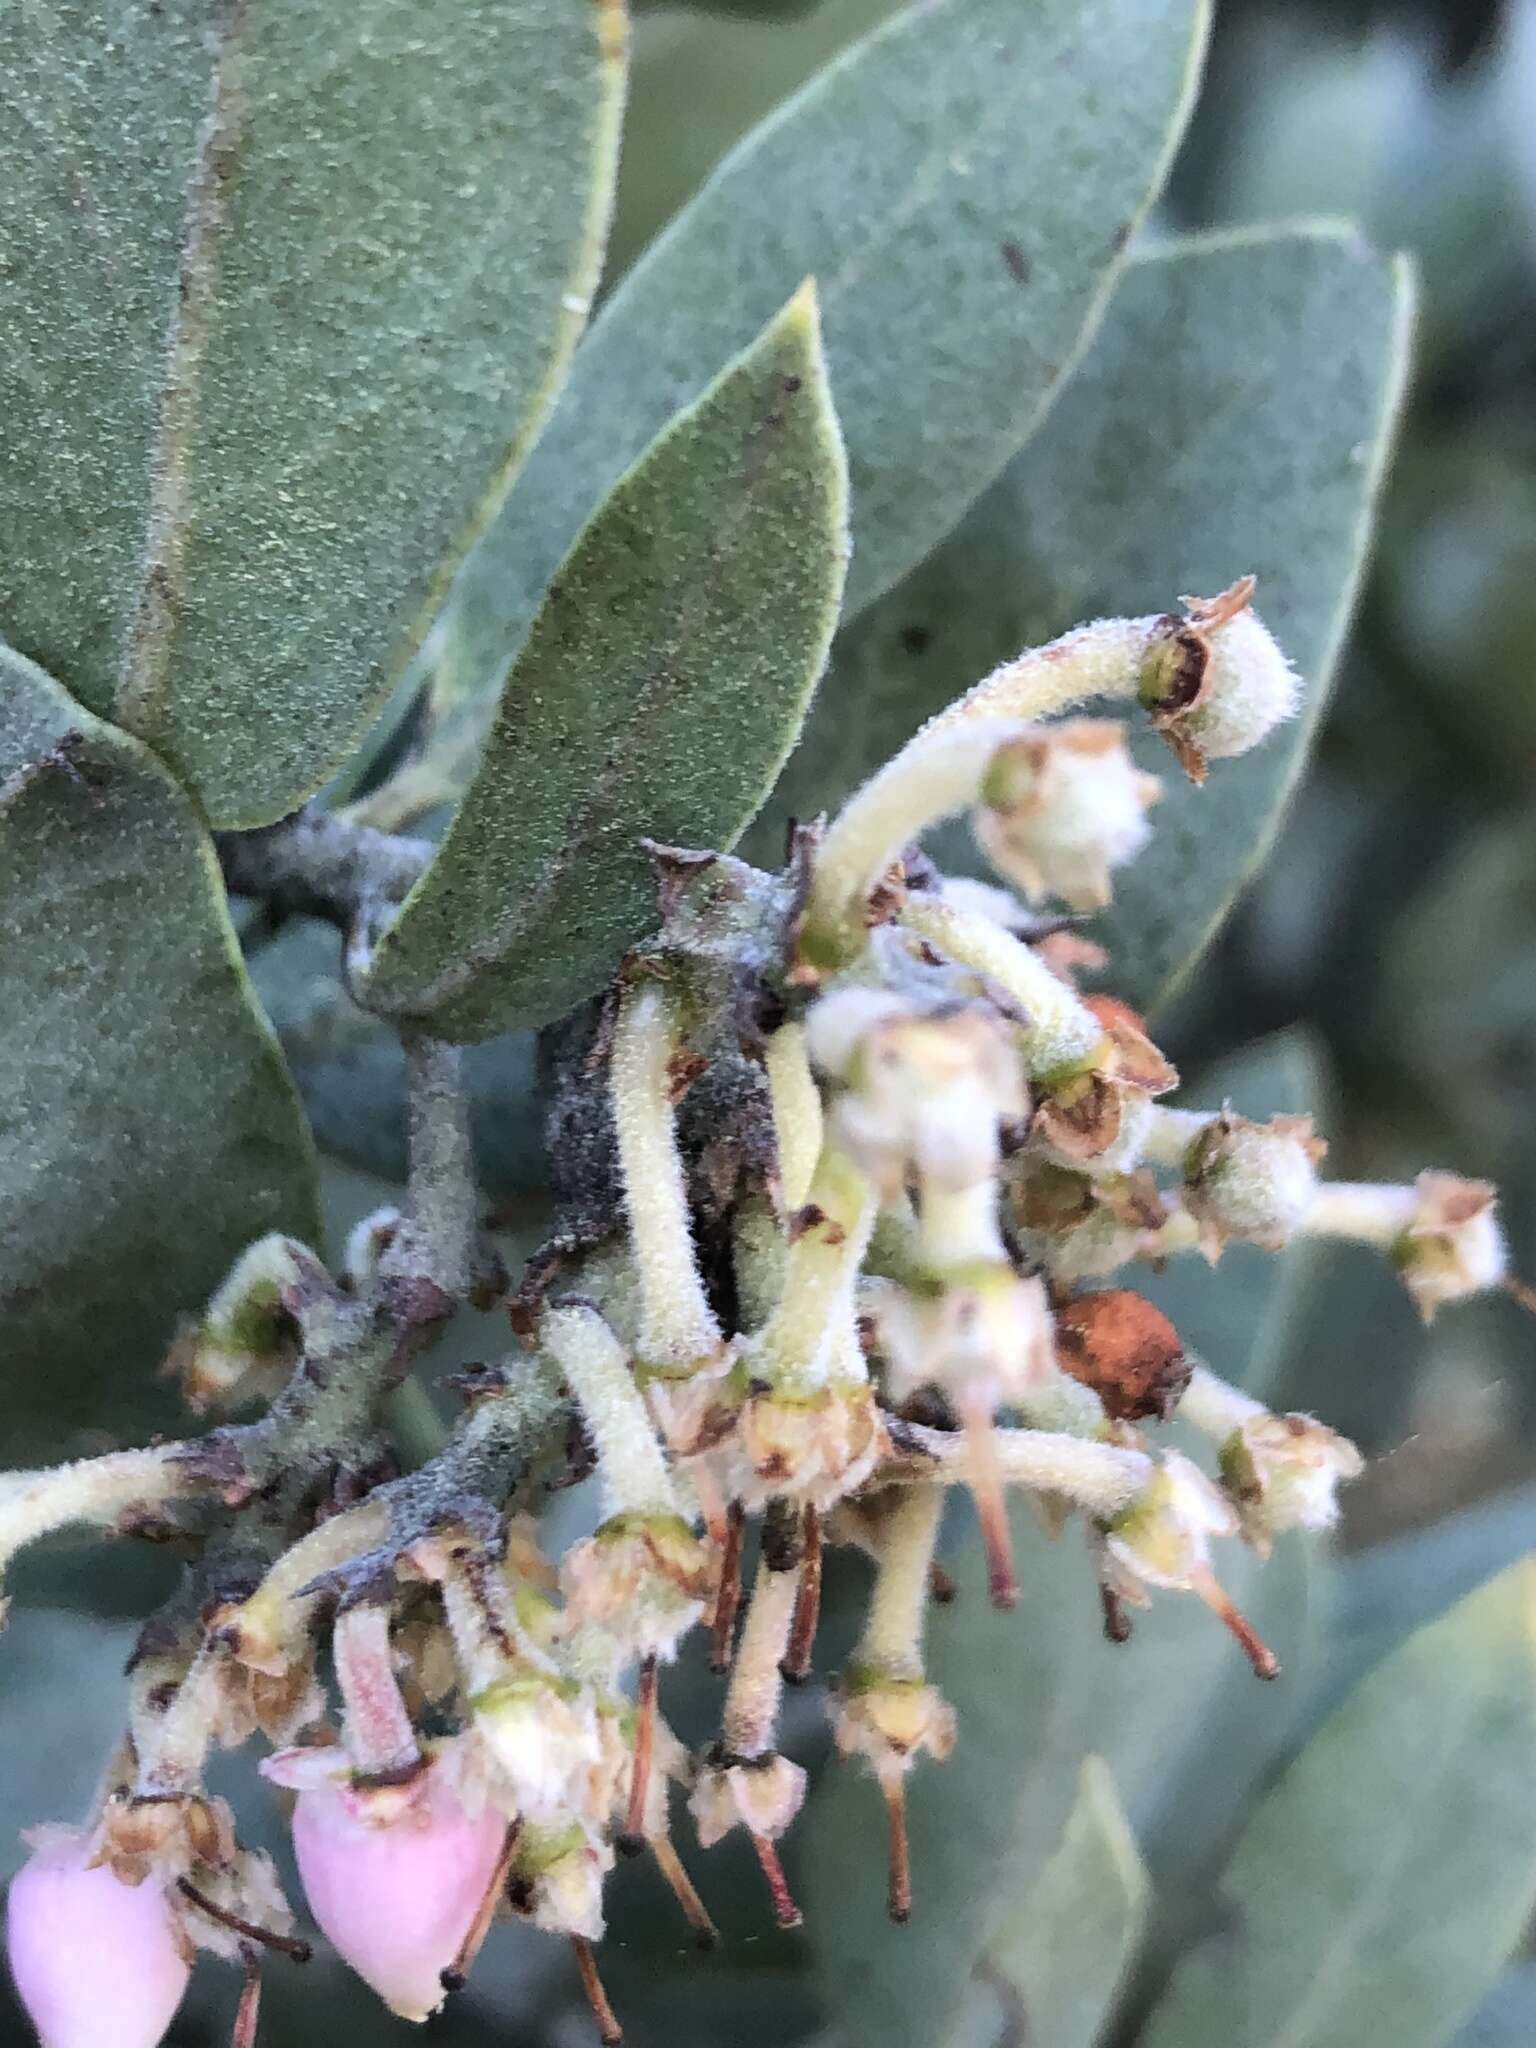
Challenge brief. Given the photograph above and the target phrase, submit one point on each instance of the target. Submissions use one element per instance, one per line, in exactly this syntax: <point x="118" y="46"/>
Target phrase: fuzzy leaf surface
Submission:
<point x="289" y="290"/>
<point x="962" y="183"/>
<point x="1232" y="416"/>
<point x="148" y="1126"/>
<point x="664" y="682"/>
<point x="1384" y="1882"/>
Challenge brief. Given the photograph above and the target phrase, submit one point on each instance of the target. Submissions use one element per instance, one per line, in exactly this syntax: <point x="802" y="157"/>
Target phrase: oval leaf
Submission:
<point x="1233" y="415"/>
<point x="661" y="688"/>
<point x="962" y="183"/>
<point x="1383" y="1883"/>
<point x="148" y="1127"/>
<point x="292" y="298"/>
<point x="1059" y="1952"/>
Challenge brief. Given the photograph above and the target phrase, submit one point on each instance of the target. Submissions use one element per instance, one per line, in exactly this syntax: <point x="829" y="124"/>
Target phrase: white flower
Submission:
<point x="538" y="1739"/>
<point x="1284" y="1472"/>
<point x="759" y="1793"/>
<point x="1164" y="1536"/>
<point x="1452" y="1245"/>
<point x="1063" y="806"/>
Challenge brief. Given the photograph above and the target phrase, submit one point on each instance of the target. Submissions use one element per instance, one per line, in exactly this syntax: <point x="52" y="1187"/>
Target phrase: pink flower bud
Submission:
<point x="97" y="1963"/>
<point x="397" y="1896"/>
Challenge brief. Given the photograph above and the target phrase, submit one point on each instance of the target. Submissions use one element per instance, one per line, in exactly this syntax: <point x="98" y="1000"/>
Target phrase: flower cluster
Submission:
<point x="842" y="1161"/>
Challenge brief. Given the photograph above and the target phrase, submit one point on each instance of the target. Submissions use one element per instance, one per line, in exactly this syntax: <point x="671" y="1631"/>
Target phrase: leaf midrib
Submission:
<point x="651" y="700"/>
<point x="147" y="653"/>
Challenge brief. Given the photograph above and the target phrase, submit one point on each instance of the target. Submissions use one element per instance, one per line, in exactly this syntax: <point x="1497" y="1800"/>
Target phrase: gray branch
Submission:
<point x="319" y="866"/>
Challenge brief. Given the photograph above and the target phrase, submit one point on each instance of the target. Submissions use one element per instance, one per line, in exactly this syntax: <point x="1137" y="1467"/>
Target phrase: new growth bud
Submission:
<point x="247" y="1342"/>
<point x="94" y="1960"/>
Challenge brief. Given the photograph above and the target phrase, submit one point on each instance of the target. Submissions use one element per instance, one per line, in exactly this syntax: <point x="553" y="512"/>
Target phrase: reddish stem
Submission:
<point x="728" y="1598"/>
<point x="785" y="1912"/>
<point x="796" y="1667"/>
<point x="899" y="1896"/>
<point x="645" y="1749"/>
<point x="609" y="2032"/>
<point x="694" y="1909"/>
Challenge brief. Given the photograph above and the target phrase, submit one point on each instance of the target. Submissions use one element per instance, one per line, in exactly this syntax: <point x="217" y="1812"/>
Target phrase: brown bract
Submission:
<point x="1134" y="1058"/>
<point x="1126" y="1350"/>
<point x="1081" y="1116"/>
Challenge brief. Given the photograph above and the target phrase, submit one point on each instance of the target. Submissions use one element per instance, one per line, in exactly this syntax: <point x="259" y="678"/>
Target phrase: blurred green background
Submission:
<point x="1395" y="928"/>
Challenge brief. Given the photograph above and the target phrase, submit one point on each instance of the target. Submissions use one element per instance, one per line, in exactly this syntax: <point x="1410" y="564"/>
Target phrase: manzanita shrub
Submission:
<point x="846" y="1171"/>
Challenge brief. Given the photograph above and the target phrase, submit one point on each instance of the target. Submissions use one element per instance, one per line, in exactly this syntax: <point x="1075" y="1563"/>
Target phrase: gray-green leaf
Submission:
<point x="148" y="1127"/>
<point x="1386" y="1879"/>
<point x="1058" y="1954"/>
<point x="287" y="291"/>
<point x="1232" y="416"/>
<point x="664" y="681"/>
<point x="962" y="183"/>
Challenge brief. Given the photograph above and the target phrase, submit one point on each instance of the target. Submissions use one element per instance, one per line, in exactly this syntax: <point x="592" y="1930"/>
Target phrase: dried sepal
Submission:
<point x="809" y="1448"/>
<point x="644" y="1576"/>
<point x="1096" y="1115"/>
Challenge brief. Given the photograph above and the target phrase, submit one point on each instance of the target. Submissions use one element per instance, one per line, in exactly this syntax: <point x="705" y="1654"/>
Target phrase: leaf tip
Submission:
<point x="803" y="312"/>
